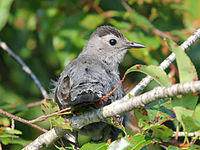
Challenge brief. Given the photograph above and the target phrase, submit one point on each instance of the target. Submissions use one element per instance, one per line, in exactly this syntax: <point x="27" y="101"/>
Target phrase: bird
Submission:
<point x="89" y="77"/>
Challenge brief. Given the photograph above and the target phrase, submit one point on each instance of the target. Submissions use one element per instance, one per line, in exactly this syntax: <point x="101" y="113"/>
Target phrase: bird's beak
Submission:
<point x="130" y="44"/>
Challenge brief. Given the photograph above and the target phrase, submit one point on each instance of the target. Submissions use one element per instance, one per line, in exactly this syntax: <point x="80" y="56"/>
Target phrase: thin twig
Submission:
<point x="44" y="117"/>
<point x="0" y="147"/>
<point x="99" y="9"/>
<point x="164" y="34"/>
<point x="195" y="138"/>
<point x="96" y="7"/>
<point x="12" y="123"/>
<point x="126" y="6"/>
<point x="34" y="104"/>
<point x="22" y="120"/>
<point x="26" y="69"/>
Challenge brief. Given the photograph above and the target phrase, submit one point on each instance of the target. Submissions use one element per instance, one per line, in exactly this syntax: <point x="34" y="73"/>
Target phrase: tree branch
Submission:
<point x="144" y="82"/>
<point x="26" y="69"/>
<point x="46" y="139"/>
<point x="183" y="134"/>
<point x="34" y="104"/>
<point x="118" y="107"/>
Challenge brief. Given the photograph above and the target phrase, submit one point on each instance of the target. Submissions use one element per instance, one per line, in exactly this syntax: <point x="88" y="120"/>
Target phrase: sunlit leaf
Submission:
<point x="4" y="121"/>
<point x="94" y="146"/>
<point x="141" y="20"/>
<point x="173" y="148"/>
<point x="193" y="147"/>
<point x="189" y="124"/>
<point x="91" y="21"/>
<point x="158" y="111"/>
<point x="155" y="72"/>
<point x="14" y="140"/>
<point x="49" y="106"/>
<point x="196" y="115"/>
<point x="116" y="123"/>
<point x="186" y="68"/>
<point x="60" y="122"/>
<point x="183" y="105"/>
<point x="162" y="132"/>
<point x="155" y="113"/>
<point x="4" y="11"/>
<point x="131" y="143"/>
<point x="8" y="130"/>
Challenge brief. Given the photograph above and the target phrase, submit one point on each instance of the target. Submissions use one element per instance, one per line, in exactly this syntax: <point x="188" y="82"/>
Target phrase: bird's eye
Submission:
<point x="112" y="42"/>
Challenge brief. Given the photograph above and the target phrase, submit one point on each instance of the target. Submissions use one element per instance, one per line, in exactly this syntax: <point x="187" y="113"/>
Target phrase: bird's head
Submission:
<point x="109" y="44"/>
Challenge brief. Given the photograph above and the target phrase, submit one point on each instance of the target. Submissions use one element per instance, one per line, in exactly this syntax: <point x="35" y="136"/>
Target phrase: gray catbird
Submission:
<point x="91" y="76"/>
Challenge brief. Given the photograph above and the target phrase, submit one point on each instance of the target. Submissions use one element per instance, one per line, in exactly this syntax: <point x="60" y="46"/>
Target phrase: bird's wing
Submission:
<point x="62" y="92"/>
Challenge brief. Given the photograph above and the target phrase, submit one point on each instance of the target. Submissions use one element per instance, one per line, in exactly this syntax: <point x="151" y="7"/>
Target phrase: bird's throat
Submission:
<point x="114" y="59"/>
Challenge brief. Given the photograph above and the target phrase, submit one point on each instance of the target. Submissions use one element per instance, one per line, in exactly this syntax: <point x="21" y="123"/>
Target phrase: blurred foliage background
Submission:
<point x="49" y="34"/>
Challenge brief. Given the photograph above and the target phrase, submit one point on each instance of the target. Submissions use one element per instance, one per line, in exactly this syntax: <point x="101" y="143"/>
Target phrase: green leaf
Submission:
<point x="131" y="142"/>
<point x="155" y="72"/>
<point x="94" y="146"/>
<point x="194" y="147"/>
<point x="186" y="69"/>
<point x="192" y="123"/>
<point x="141" y="20"/>
<point x="58" y="121"/>
<point x="4" y="12"/>
<point x="4" y="121"/>
<point x="13" y="131"/>
<point x="158" y="111"/>
<point x="184" y="105"/>
<point x="196" y="115"/>
<point x="8" y="130"/>
<point x="12" y="107"/>
<point x="64" y="148"/>
<point x="188" y="148"/>
<point x="116" y="123"/>
<point x="91" y="21"/>
<point x="154" y="113"/>
<point x="120" y="24"/>
<point x="189" y="124"/>
<point x="49" y="106"/>
<point x="162" y="132"/>
<point x="7" y="136"/>
<point x="14" y="140"/>
<point x="173" y="148"/>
